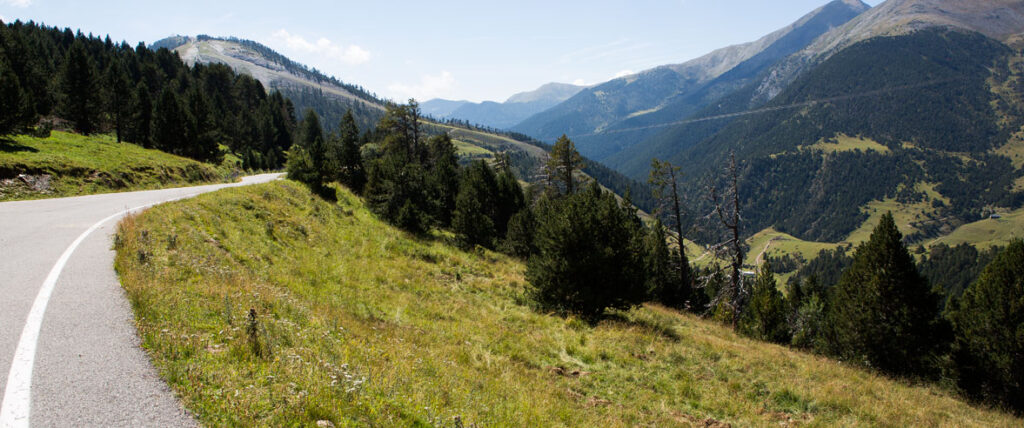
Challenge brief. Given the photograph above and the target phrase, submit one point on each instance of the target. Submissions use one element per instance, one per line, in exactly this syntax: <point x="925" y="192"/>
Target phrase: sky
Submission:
<point x="455" y="49"/>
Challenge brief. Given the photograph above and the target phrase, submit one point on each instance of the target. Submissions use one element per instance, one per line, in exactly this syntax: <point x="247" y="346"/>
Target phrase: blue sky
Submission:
<point x="456" y="49"/>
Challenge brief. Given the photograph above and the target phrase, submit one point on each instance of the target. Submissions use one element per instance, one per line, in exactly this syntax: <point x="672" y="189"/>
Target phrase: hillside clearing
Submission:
<point x="84" y="165"/>
<point x="360" y="324"/>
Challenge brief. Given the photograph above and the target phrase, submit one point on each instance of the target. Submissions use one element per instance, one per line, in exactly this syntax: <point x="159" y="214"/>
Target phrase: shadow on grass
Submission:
<point x="8" y="145"/>
<point x="663" y="327"/>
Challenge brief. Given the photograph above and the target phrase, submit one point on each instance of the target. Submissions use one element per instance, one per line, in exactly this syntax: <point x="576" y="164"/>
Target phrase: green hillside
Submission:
<point x="266" y="305"/>
<point x="872" y="123"/>
<point x="83" y="165"/>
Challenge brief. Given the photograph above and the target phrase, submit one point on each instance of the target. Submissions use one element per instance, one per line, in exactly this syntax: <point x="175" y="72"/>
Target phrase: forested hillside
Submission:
<point x="926" y="97"/>
<point x="55" y="78"/>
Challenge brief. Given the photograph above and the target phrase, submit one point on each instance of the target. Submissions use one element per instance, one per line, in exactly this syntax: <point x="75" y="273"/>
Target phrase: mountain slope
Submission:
<point x="666" y="93"/>
<point x="1002" y="20"/>
<point x="502" y="115"/>
<point x="306" y="88"/>
<point x="356" y="323"/>
<point x="330" y="99"/>
<point x="926" y="97"/>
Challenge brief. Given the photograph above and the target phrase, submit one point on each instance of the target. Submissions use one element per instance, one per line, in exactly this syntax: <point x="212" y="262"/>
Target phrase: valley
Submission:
<point x="820" y="226"/>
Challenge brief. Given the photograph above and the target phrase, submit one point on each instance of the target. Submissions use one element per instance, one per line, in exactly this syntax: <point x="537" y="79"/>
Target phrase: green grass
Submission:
<point x="368" y="326"/>
<point x="467" y="149"/>
<point x="988" y="232"/>
<point x="846" y="143"/>
<point x="83" y="165"/>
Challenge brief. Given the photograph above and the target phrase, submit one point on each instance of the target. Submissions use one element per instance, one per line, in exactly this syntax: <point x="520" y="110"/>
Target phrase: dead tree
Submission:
<point x="664" y="180"/>
<point x="735" y="293"/>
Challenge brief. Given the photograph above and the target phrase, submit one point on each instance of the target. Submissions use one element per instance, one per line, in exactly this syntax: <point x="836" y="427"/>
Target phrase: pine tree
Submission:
<point x="510" y="198"/>
<point x="474" y="218"/>
<point x="351" y="171"/>
<point x="80" y="90"/>
<point x="989" y="327"/>
<point x="519" y="240"/>
<point x="563" y="163"/>
<point x="764" y="317"/>
<point x="442" y="178"/>
<point x="586" y="262"/>
<point x="118" y="97"/>
<point x="170" y="123"/>
<point x="140" y="125"/>
<point x="882" y="313"/>
<point x="203" y="137"/>
<point x="15" y="109"/>
<point x="660" y="280"/>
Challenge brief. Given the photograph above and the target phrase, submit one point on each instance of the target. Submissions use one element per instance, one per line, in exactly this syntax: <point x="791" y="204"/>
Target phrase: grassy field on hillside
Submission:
<point x="358" y="323"/>
<point x="83" y="165"/>
<point x="988" y="232"/>
<point x="846" y="143"/>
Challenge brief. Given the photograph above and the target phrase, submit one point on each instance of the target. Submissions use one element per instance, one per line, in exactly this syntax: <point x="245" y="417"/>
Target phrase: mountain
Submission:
<point x="330" y="98"/>
<point x="664" y="94"/>
<point x="307" y="88"/>
<point x="440" y="108"/>
<point x="906" y="107"/>
<point x="998" y="19"/>
<point x="502" y="115"/>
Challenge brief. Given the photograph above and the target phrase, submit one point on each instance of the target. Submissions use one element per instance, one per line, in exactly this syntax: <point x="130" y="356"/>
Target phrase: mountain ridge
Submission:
<point x="685" y="88"/>
<point x="502" y="115"/>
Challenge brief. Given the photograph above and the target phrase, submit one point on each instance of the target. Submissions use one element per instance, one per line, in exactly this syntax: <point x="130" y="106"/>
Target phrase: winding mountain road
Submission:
<point x="69" y="352"/>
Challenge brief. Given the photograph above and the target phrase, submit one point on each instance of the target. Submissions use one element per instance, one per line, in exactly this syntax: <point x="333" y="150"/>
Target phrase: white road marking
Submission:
<point x="16" y="405"/>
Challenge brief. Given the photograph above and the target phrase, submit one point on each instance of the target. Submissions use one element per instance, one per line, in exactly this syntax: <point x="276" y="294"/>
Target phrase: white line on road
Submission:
<point x="16" y="404"/>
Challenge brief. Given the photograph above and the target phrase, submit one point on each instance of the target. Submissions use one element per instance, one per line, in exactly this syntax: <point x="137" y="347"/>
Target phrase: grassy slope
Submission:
<point x="988" y="232"/>
<point x="82" y="165"/>
<point x="368" y="326"/>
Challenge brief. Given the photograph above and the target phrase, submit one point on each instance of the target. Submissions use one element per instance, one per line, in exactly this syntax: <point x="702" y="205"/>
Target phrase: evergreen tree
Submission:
<point x="474" y="218"/>
<point x="989" y="327"/>
<point x="519" y="241"/>
<point x="311" y="138"/>
<point x="882" y="313"/>
<point x="764" y="317"/>
<point x="563" y="163"/>
<point x="80" y="89"/>
<point x="118" y="97"/>
<point x="442" y="178"/>
<point x="350" y="163"/>
<point x="202" y="137"/>
<point x="808" y="315"/>
<point x="510" y="198"/>
<point x="586" y="261"/>
<point x="140" y="126"/>
<point x="170" y="123"/>
<point x="15" y="109"/>
<point x="396" y="187"/>
<point x="660" y="281"/>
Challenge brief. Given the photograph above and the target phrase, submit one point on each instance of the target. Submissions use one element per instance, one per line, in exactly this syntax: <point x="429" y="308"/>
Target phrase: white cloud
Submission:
<point x="623" y="73"/>
<point x="430" y="86"/>
<point x="351" y="54"/>
<point x="579" y="82"/>
<point x="17" y="3"/>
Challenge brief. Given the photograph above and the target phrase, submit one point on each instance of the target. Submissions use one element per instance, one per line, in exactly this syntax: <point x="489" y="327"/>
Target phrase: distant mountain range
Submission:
<point x="669" y="93"/>
<point x="502" y="115"/>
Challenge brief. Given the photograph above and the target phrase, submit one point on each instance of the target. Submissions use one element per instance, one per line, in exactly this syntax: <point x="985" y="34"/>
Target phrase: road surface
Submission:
<point x="69" y="352"/>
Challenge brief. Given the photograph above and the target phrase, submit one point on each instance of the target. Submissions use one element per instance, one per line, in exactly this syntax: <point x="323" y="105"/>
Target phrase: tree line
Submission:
<point x="53" y="77"/>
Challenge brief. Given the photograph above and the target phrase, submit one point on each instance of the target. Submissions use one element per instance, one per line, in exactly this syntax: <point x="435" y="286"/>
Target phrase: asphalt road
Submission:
<point x="69" y="352"/>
